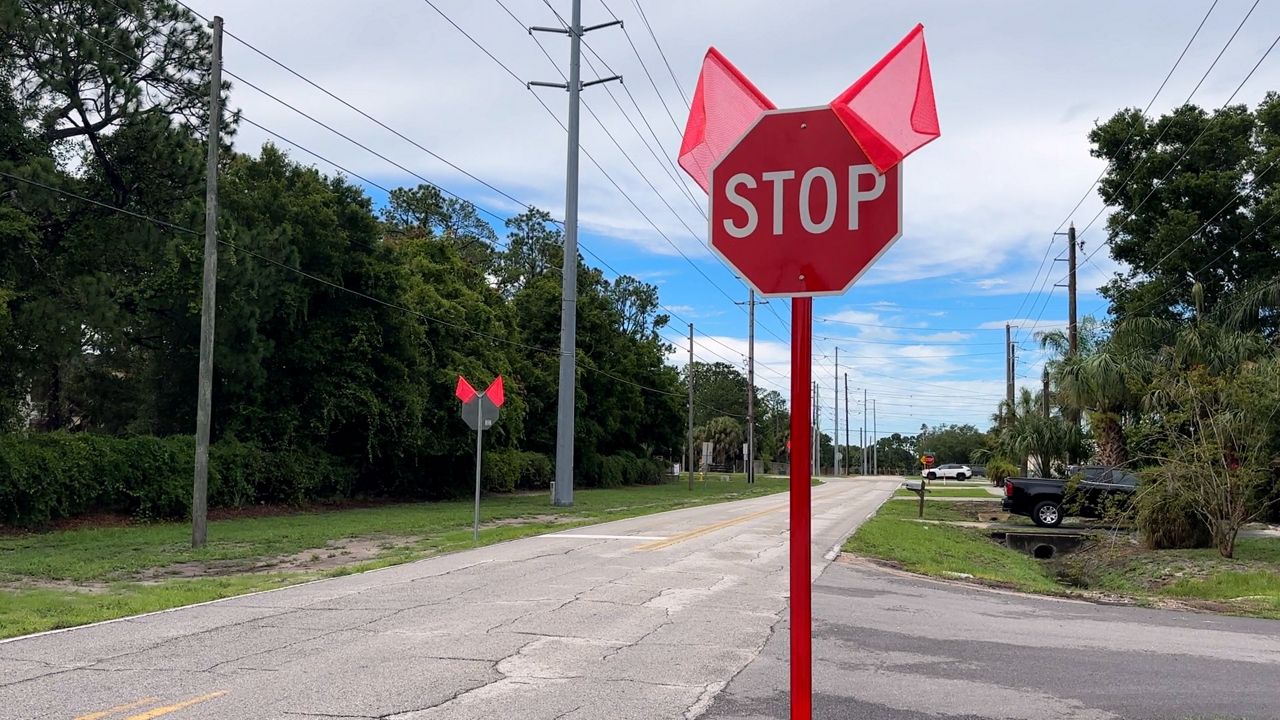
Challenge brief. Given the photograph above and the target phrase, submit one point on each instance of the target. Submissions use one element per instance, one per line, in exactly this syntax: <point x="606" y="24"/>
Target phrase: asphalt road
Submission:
<point x="644" y="618"/>
<point x="889" y="646"/>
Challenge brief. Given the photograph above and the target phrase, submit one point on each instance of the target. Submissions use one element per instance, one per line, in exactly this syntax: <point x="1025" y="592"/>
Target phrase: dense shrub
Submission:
<point x="536" y="471"/>
<point x="500" y="470"/>
<point x="617" y="470"/>
<point x="58" y="475"/>
<point x="1166" y="520"/>
<point x="1000" y="470"/>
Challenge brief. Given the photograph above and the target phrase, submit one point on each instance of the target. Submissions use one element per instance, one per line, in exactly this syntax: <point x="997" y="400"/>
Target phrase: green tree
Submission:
<point x="90" y="66"/>
<point x="718" y="389"/>
<point x="1095" y="381"/>
<point x="1210" y="177"/>
<point x="951" y="443"/>
<point x="726" y="436"/>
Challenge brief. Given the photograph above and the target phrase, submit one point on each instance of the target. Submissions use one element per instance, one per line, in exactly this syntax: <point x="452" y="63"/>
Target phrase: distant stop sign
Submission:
<point x="798" y="209"/>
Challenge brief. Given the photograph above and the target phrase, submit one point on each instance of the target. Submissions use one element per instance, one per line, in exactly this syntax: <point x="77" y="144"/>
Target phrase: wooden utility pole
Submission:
<point x="1008" y="370"/>
<point x="208" y="301"/>
<point x="846" y="421"/>
<point x="691" y="406"/>
<point x="1044" y="394"/>
<point x="1073" y="333"/>
<point x="835" y="434"/>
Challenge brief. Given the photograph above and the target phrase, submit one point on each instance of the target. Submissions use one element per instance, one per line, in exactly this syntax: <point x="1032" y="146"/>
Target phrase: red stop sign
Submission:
<point x="798" y="209"/>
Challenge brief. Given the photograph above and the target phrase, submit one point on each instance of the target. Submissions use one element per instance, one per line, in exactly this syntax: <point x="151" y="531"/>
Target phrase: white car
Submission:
<point x="948" y="472"/>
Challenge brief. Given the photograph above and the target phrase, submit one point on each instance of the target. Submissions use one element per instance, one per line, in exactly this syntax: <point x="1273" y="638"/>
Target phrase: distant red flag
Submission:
<point x="494" y="392"/>
<point x="464" y="390"/>
<point x="725" y="103"/>
<point x="890" y="111"/>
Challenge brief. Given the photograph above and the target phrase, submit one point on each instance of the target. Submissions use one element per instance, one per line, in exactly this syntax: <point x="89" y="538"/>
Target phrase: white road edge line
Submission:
<point x="604" y="537"/>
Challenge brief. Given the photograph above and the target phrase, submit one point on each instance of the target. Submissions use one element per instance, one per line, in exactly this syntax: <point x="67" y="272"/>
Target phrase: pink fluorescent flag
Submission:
<point x="495" y="393"/>
<point x="890" y="111"/>
<point x="725" y="103"/>
<point x="464" y="390"/>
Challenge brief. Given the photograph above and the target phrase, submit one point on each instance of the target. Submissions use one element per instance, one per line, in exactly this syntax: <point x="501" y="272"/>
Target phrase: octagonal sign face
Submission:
<point x="798" y="209"/>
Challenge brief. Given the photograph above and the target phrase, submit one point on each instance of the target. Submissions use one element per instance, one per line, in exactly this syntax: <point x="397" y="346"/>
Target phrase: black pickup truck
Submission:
<point x="1042" y="499"/>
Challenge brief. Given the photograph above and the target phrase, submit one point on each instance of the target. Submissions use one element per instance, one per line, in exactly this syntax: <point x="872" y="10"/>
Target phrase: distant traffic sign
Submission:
<point x="479" y="412"/>
<point x="798" y="209"/>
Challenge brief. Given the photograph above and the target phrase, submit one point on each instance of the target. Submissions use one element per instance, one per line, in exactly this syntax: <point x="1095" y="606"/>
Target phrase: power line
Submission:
<point x="328" y="283"/>
<point x="366" y="115"/>
<point x="1145" y="110"/>
<point x="1124" y="144"/>
<point x="352" y="173"/>
<point x="661" y="52"/>
<point x="596" y="163"/>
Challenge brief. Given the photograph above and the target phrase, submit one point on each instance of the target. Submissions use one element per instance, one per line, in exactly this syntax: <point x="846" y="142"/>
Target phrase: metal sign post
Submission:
<point x="801" y="601"/>
<point x="475" y="518"/>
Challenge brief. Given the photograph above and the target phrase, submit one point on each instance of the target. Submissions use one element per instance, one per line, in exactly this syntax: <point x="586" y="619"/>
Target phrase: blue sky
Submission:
<point x="1018" y="85"/>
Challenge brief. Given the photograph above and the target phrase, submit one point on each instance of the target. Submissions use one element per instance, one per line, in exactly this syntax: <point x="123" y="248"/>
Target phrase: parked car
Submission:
<point x="950" y="471"/>
<point x="979" y="471"/>
<point x="1043" y="499"/>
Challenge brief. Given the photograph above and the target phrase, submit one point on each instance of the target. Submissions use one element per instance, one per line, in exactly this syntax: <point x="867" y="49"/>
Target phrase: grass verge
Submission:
<point x="1248" y="584"/>
<point x="950" y="492"/>
<point x="944" y="550"/>
<point x="72" y="577"/>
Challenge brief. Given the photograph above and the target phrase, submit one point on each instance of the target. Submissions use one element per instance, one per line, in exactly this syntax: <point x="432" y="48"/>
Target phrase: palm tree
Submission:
<point x="1028" y="436"/>
<point x="725" y="435"/>
<point x="1094" y="381"/>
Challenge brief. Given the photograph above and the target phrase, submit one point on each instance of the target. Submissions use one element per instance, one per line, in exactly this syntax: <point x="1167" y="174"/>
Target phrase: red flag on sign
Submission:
<point x="464" y="390"/>
<point x="890" y="110"/>
<point x="725" y="103"/>
<point x="494" y="392"/>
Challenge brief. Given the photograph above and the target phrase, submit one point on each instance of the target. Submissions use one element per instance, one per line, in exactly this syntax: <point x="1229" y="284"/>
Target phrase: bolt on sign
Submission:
<point x="801" y="203"/>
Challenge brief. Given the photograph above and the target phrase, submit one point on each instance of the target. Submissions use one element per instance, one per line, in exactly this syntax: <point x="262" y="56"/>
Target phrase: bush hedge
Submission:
<point x="1167" y="521"/>
<point x="612" y="471"/>
<point x="508" y="470"/>
<point x="58" y="475"/>
<point x="49" y="477"/>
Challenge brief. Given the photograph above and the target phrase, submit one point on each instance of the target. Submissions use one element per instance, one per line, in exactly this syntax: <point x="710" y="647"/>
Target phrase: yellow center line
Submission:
<point x="166" y="709"/>
<point x="699" y="532"/>
<point x="119" y="708"/>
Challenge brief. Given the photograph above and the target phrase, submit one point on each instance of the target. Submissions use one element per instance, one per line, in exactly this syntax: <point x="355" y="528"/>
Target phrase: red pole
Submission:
<point x="801" y="612"/>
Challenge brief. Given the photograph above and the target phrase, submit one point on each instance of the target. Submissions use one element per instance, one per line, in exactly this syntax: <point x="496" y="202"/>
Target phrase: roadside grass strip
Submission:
<point x="65" y="578"/>
<point x="1116" y="567"/>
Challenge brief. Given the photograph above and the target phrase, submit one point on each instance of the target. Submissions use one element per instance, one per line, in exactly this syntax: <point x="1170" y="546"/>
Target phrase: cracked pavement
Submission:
<point x="555" y="626"/>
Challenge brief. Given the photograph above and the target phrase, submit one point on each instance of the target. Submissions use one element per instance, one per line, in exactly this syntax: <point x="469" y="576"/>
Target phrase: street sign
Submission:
<point x="798" y="209"/>
<point x="479" y="412"/>
<point x="802" y="202"/>
<point x="927" y="460"/>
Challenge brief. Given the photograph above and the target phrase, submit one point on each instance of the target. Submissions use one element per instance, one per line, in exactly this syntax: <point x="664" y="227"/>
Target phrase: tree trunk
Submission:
<point x="1225" y="539"/>
<point x="1111" y="445"/>
<point x="54" y="416"/>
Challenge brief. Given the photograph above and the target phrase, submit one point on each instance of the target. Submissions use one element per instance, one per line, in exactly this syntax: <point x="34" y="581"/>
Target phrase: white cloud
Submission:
<point x="989" y="283"/>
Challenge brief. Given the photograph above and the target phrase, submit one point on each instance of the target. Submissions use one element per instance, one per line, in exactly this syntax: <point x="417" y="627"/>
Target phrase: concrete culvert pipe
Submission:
<point x="1043" y="552"/>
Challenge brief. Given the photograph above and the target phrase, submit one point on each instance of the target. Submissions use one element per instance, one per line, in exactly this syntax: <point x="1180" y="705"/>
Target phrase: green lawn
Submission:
<point x="943" y="550"/>
<point x="1248" y="584"/>
<point x="969" y="492"/>
<point x="65" y="578"/>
